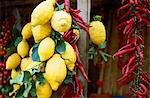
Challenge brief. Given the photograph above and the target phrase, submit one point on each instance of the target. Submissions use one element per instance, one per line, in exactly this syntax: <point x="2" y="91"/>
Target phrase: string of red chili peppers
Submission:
<point x="132" y="28"/>
<point x="70" y="37"/>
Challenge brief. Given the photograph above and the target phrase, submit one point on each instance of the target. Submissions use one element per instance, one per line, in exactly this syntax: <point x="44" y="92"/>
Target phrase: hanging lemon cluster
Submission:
<point x="42" y="55"/>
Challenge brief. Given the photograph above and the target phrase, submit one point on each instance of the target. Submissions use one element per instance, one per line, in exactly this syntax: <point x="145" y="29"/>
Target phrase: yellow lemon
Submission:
<point x="13" y="61"/>
<point x="71" y="67"/>
<point x="16" y="87"/>
<point x="46" y="49"/>
<point x="42" y="13"/>
<point x="33" y="65"/>
<point x="55" y="71"/>
<point x="30" y="52"/>
<point x="41" y="31"/>
<point x="43" y="91"/>
<point x="52" y="1"/>
<point x="61" y="21"/>
<point x="23" y="48"/>
<point x="69" y="55"/>
<point x="25" y="62"/>
<point x="14" y="74"/>
<point x="26" y="31"/>
<point x="97" y="32"/>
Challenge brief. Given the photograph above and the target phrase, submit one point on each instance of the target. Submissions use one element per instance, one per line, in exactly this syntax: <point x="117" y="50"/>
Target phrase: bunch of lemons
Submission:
<point x="44" y="19"/>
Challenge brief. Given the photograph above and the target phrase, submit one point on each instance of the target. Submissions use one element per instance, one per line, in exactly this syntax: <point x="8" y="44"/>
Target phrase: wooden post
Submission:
<point x="84" y="6"/>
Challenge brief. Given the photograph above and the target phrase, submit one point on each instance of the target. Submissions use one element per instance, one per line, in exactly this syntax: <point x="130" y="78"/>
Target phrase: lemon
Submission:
<point x="77" y="33"/>
<point x="26" y="31"/>
<point x="46" y="49"/>
<point x="55" y="71"/>
<point x="23" y="48"/>
<point x="13" y="61"/>
<point x="25" y="62"/>
<point x="30" y="52"/>
<point x="41" y="31"/>
<point x="42" y="13"/>
<point x="14" y="74"/>
<point x="71" y="67"/>
<point x="69" y="55"/>
<point x="43" y="91"/>
<point x="61" y="21"/>
<point x="33" y="65"/>
<point x="97" y="32"/>
<point x="16" y="87"/>
<point x="52" y="1"/>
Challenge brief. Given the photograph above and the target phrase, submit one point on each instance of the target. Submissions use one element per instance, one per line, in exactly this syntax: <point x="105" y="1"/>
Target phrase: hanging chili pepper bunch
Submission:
<point x="132" y="23"/>
<point x="74" y="88"/>
<point x="5" y="38"/>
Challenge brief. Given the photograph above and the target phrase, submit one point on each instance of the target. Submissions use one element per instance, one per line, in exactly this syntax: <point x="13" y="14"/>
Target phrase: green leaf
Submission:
<point x="17" y="41"/>
<point x="105" y="55"/>
<point x="34" y="71"/>
<point x="60" y="7"/>
<point x="27" y="76"/>
<point x="10" y="50"/>
<point x="60" y="47"/>
<point x="103" y="45"/>
<point x="33" y="89"/>
<point x="40" y="78"/>
<point x="20" y="91"/>
<point x="26" y="92"/>
<point x="97" y="18"/>
<point x="35" y="55"/>
<point x="18" y="79"/>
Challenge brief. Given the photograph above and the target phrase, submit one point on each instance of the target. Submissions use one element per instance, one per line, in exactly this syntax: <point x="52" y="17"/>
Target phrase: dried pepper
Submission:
<point x="132" y="29"/>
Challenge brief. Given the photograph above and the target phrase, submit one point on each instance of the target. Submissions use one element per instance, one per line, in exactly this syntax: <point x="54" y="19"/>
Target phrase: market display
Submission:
<point x="41" y="66"/>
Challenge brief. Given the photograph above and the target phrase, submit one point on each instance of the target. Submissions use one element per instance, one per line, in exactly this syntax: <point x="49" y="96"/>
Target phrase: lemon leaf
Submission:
<point x="103" y="45"/>
<point x="27" y="76"/>
<point x="26" y="92"/>
<point x="60" y="47"/>
<point x="40" y="78"/>
<point x="18" y="79"/>
<point x="20" y="91"/>
<point x="33" y="89"/>
<point x="60" y="7"/>
<point x="17" y="41"/>
<point x="34" y="71"/>
<point x="35" y="55"/>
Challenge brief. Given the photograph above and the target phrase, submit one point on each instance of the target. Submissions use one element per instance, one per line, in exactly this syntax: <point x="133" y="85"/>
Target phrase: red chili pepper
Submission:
<point x="128" y="64"/>
<point x="77" y="20"/>
<point x="144" y="90"/>
<point x="122" y="8"/>
<point x="138" y="16"/>
<point x="145" y="21"/>
<point x="79" y="64"/>
<point x="67" y="33"/>
<point x="126" y="14"/>
<point x="74" y="11"/>
<point x="136" y="1"/>
<point x="131" y="1"/>
<point x="123" y="51"/>
<point x="83" y="27"/>
<point x="125" y="23"/>
<point x="143" y="10"/>
<point x="128" y="28"/>
<point x="129" y="79"/>
<point x="123" y="1"/>
<point x="67" y="5"/>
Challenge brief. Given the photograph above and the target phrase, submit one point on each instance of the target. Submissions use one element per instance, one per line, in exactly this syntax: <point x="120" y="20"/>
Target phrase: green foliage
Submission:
<point x="60" y="7"/>
<point x="17" y="41"/>
<point x="35" y="55"/>
<point x="95" y="52"/>
<point x="59" y="41"/>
